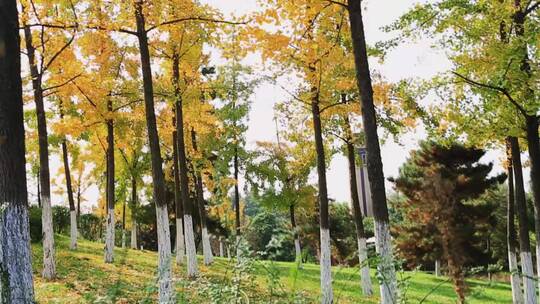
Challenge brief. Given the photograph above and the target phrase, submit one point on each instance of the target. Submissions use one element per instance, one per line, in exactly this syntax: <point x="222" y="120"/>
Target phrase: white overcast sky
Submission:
<point x="411" y="60"/>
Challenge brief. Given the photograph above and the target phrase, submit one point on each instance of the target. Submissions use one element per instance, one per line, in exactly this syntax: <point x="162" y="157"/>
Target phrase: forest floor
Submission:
<point x="83" y="277"/>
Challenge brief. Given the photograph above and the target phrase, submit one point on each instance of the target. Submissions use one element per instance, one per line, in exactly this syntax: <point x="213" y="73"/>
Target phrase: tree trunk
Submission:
<point x="534" y="157"/>
<point x="179" y="213"/>
<point x="16" y="285"/>
<point x="166" y="288"/>
<point x="437" y="268"/>
<point x="297" y="247"/>
<point x="191" y="252"/>
<point x="133" y="213"/>
<point x="38" y="191"/>
<point x="355" y="200"/>
<point x="221" y="246"/>
<point x="325" y="260"/>
<point x="110" y="233"/>
<point x="236" y="193"/>
<point x="521" y="207"/>
<point x="207" y="248"/>
<point x="388" y="288"/>
<point x="511" y="236"/>
<point x="69" y="188"/>
<point x="124" y="225"/>
<point x="49" y="266"/>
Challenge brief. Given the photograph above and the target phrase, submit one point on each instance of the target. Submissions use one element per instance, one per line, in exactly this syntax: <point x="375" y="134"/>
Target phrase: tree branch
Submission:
<point x="62" y="84"/>
<point x="204" y="19"/>
<point x="494" y="88"/>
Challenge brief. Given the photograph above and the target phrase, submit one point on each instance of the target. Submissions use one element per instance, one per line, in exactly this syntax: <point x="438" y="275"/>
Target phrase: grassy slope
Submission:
<point x="84" y="278"/>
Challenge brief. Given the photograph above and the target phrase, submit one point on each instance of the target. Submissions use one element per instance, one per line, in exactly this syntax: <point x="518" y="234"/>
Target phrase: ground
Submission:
<point x="83" y="277"/>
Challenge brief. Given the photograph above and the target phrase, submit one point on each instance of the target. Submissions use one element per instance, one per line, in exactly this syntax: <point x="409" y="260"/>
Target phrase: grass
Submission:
<point x="83" y="277"/>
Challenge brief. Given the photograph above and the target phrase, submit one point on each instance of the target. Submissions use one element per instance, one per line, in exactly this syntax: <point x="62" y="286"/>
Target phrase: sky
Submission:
<point x="417" y="60"/>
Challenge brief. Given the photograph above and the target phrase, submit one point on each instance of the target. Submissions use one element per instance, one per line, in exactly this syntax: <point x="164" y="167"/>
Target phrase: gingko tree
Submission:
<point x="488" y="43"/>
<point x="283" y="170"/>
<point x="16" y="285"/>
<point x="52" y="43"/>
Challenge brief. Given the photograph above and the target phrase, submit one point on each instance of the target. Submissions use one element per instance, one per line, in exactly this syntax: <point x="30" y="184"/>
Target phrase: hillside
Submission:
<point x="84" y="278"/>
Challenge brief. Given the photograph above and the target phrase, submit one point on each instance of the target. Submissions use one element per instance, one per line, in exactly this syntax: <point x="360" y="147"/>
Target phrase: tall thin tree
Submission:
<point x="374" y="163"/>
<point x="16" y="285"/>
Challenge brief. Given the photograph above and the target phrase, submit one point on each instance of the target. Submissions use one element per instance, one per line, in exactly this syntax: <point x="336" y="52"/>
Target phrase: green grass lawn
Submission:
<point x="84" y="278"/>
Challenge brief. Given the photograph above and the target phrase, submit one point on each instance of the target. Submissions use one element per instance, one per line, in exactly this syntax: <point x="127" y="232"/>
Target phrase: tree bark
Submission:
<point x="511" y="236"/>
<point x="521" y="208"/>
<point x="133" y="212"/>
<point x="38" y="191"/>
<point x="191" y="254"/>
<point x="16" y="285"/>
<point x="355" y="200"/>
<point x="207" y="248"/>
<point x="110" y="233"/>
<point x="69" y="189"/>
<point x="166" y="288"/>
<point x="236" y="193"/>
<point x="325" y="260"/>
<point x="297" y="247"/>
<point x="179" y="212"/>
<point x="49" y="266"/>
<point x="388" y="288"/>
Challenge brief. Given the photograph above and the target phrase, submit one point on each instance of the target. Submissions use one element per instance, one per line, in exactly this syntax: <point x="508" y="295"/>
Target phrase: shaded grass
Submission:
<point x="83" y="277"/>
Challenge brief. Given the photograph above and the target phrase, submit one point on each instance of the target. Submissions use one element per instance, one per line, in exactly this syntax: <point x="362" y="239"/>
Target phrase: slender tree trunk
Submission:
<point x="524" y="242"/>
<point x="511" y="236"/>
<point x="69" y="189"/>
<point x="78" y="202"/>
<point x="166" y="288"/>
<point x="124" y="225"/>
<point x="236" y="194"/>
<point x="325" y="260"/>
<point x="534" y="157"/>
<point x="437" y="268"/>
<point x="191" y="253"/>
<point x="355" y="200"/>
<point x="49" y="266"/>
<point x="38" y="190"/>
<point x="297" y="247"/>
<point x="179" y="212"/>
<point x="207" y="248"/>
<point x="16" y="285"/>
<point x="110" y="232"/>
<point x="133" y="213"/>
<point x="221" y="246"/>
<point x="386" y="269"/>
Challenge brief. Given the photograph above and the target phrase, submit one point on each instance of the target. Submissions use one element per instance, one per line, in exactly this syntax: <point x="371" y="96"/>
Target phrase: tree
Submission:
<point x="51" y="45"/>
<point x="281" y="170"/>
<point x="16" y="285"/>
<point x="438" y="181"/>
<point x="512" y="241"/>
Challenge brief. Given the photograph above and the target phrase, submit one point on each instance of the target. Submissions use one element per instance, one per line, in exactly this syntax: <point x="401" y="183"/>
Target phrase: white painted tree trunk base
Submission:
<point x="166" y="288"/>
<point x="221" y="247"/>
<point x="134" y="235"/>
<point x="528" y="278"/>
<point x="365" y="279"/>
<point x="207" y="248"/>
<point x="191" y="253"/>
<point x="109" y="237"/>
<point x="180" y="242"/>
<point x="298" y="250"/>
<point x="49" y="264"/>
<point x="517" y="295"/>
<point x="16" y="285"/>
<point x="73" y="229"/>
<point x="327" y="296"/>
<point x="386" y="268"/>
<point x="123" y="239"/>
<point x="437" y="268"/>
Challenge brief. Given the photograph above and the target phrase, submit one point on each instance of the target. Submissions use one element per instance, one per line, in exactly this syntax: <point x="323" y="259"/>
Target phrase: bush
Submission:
<point x="89" y="226"/>
<point x="36" y="234"/>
